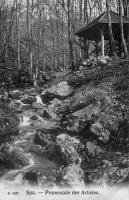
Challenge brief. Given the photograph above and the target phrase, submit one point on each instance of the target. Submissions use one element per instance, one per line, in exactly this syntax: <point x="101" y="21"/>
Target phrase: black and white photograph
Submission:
<point x="64" y="99"/>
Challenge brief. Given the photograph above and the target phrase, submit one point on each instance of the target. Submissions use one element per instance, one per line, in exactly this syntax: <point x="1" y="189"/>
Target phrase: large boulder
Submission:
<point x="36" y="149"/>
<point x="60" y="91"/>
<point x="63" y="89"/>
<point x="69" y="149"/>
<point x="44" y="139"/>
<point x="71" y="175"/>
<point x="78" y="120"/>
<point x="82" y="98"/>
<point x="70" y="152"/>
<point x="47" y="141"/>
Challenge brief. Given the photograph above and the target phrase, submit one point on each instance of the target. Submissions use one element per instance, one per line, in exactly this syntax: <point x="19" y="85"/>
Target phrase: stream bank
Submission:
<point x="66" y="136"/>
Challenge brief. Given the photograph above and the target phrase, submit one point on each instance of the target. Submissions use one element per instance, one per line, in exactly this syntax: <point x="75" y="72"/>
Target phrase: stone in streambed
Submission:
<point x="47" y="97"/>
<point x="63" y="148"/>
<point x="63" y="89"/>
<point x="72" y="175"/>
<point x="38" y="100"/>
<point x="34" y="118"/>
<point x="60" y="91"/>
<point x="56" y="103"/>
<point x="44" y="139"/>
<point x="47" y="141"/>
<point x="37" y="149"/>
<point x="27" y="101"/>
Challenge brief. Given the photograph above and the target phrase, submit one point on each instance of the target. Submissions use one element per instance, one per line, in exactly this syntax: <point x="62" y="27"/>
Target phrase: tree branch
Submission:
<point x="63" y="5"/>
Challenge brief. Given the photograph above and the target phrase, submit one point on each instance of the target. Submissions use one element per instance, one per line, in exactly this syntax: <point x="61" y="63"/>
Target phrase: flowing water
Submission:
<point x="40" y="165"/>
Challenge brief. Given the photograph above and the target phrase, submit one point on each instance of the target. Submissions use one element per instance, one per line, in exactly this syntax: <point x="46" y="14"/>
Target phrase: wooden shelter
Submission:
<point x="97" y="30"/>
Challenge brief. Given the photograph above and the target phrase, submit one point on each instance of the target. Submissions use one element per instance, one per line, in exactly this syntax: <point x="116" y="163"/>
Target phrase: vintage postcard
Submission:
<point x="64" y="99"/>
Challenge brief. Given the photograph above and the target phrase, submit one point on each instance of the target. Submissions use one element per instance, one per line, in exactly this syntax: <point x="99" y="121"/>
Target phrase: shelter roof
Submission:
<point x="91" y="31"/>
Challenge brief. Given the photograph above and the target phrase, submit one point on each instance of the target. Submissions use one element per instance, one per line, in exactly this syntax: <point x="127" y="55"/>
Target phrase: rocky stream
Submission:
<point x="60" y="136"/>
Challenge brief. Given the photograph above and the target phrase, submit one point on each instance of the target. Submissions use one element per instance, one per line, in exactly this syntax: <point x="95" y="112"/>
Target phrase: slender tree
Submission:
<point x="86" y="20"/>
<point x="18" y="36"/>
<point x="81" y="9"/>
<point x="70" y="34"/>
<point x="126" y="7"/>
<point x="112" y="42"/>
<point x="122" y="30"/>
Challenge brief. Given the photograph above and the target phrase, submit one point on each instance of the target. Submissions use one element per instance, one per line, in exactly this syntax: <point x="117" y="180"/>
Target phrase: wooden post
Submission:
<point x="102" y="42"/>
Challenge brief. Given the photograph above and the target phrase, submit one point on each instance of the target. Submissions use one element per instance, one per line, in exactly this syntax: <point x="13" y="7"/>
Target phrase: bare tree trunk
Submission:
<point x="126" y="14"/>
<point x="86" y="11"/>
<point x="18" y="36"/>
<point x="70" y="35"/>
<point x="57" y="35"/>
<point x="9" y="30"/>
<point x="39" y="37"/>
<point x="53" y="43"/>
<point x="112" y="42"/>
<point x="86" y="20"/>
<point x="63" y="53"/>
<point x="43" y="40"/>
<point x="28" y="29"/>
<point x="100" y="7"/>
<point x="81" y="9"/>
<point x="122" y="31"/>
<point x="31" y="36"/>
<point x="126" y="9"/>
